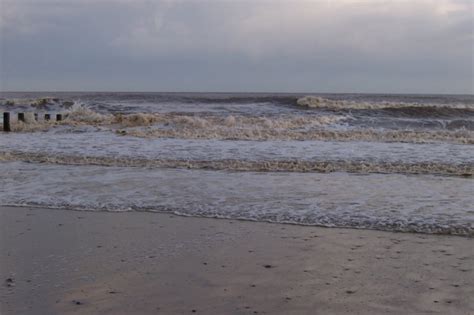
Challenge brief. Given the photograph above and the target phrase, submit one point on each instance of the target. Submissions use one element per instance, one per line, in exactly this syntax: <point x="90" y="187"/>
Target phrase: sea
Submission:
<point x="401" y="163"/>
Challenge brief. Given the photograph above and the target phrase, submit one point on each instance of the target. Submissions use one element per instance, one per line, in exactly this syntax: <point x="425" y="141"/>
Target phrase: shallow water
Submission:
<point x="430" y="204"/>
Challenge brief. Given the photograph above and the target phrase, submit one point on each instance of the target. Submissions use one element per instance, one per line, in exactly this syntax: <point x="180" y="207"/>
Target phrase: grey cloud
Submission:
<point x="346" y="46"/>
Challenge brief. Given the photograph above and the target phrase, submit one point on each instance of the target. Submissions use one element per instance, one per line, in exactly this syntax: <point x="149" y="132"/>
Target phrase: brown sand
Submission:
<point x="68" y="262"/>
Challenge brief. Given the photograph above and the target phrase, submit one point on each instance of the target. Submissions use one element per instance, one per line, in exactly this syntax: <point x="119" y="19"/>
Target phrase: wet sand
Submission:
<point x="68" y="262"/>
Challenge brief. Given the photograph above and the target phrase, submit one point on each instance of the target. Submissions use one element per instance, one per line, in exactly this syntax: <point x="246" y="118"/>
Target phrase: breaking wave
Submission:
<point x="243" y="127"/>
<point x="319" y="166"/>
<point x="420" y="108"/>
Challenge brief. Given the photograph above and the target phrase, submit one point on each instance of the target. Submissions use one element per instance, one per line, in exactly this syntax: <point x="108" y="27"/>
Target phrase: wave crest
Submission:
<point x="364" y="167"/>
<point x="320" y="102"/>
<point x="260" y="134"/>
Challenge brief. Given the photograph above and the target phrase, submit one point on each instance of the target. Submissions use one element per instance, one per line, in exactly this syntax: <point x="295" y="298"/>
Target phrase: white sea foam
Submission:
<point x="81" y="114"/>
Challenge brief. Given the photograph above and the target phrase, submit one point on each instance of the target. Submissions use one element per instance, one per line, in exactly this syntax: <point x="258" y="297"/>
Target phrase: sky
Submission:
<point x="340" y="46"/>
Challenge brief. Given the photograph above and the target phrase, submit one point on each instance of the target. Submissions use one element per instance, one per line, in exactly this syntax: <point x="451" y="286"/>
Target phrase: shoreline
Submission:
<point x="82" y="262"/>
<point x="184" y="215"/>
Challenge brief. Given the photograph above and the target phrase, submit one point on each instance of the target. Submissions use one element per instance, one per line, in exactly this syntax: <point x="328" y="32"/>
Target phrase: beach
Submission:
<point x="79" y="262"/>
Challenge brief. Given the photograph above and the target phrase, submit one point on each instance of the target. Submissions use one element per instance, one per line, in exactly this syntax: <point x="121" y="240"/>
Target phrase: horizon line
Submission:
<point x="235" y="92"/>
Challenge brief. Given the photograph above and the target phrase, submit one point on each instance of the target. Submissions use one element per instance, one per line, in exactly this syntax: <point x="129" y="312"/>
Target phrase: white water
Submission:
<point x="429" y="204"/>
<point x="74" y="147"/>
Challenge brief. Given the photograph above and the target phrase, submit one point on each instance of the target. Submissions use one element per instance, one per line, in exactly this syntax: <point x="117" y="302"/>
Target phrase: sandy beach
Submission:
<point x="69" y="262"/>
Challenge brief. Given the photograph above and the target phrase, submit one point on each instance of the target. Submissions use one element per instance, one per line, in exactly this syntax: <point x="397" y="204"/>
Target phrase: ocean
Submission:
<point x="386" y="162"/>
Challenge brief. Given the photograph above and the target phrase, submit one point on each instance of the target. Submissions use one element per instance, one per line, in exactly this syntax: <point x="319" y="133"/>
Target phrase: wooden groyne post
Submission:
<point x="22" y="117"/>
<point x="6" y="122"/>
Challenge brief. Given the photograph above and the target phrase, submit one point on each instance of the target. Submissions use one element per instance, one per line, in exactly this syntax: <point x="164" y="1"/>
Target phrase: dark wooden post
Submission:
<point x="47" y="116"/>
<point x="6" y="122"/>
<point x="21" y="117"/>
<point x="59" y="117"/>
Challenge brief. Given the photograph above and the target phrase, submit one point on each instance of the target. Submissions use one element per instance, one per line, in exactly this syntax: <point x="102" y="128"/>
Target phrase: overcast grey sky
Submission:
<point x="398" y="46"/>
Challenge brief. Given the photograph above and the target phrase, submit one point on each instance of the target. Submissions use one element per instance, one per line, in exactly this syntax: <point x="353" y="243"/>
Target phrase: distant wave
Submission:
<point x="411" y="105"/>
<point x="320" y="102"/>
<point x="81" y="115"/>
<point x="325" y="166"/>
<point x="52" y="102"/>
<point x="42" y="103"/>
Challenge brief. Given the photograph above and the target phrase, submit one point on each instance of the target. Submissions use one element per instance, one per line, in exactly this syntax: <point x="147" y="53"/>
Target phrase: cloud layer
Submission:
<point x="423" y="46"/>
